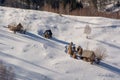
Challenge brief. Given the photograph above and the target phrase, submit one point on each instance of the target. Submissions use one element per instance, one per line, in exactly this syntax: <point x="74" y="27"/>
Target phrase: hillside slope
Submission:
<point x="35" y="58"/>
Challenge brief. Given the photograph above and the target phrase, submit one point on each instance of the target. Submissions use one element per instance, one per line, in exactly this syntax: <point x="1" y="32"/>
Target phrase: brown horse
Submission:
<point x="70" y="50"/>
<point x="74" y="55"/>
<point x="79" y="50"/>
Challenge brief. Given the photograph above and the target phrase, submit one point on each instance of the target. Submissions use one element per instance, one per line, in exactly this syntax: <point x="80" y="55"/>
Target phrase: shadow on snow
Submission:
<point x="109" y="67"/>
<point x="38" y="38"/>
<point x="59" y="41"/>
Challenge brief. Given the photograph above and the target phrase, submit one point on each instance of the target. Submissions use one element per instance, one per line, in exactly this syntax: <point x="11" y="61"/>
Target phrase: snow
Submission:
<point x="112" y="8"/>
<point x="35" y="58"/>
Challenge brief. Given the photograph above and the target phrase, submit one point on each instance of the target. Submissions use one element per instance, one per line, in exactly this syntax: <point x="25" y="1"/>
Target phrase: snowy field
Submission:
<point x="35" y="58"/>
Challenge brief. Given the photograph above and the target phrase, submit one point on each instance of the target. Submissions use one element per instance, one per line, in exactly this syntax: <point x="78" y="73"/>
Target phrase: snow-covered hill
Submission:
<point x="35" y="58"/>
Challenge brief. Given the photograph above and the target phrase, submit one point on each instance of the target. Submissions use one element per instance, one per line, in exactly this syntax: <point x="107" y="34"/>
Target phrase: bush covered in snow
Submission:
<point x="101" y="52"/>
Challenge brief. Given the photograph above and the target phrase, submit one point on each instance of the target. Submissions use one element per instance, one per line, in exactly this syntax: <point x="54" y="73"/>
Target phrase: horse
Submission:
<point x="79" y="50"/>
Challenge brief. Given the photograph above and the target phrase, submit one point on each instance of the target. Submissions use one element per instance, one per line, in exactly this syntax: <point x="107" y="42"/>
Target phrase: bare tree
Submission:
<point x="101" y="52"/>
<point x="87" y="30"/>
<point x="2" y="71"/>
<point x="11" y="74"/>
<point x="6" y="73"/>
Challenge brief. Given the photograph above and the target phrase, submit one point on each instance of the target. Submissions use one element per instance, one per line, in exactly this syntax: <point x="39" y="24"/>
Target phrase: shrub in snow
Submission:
<point x="87" y="30"/>
<point x="6" y="73"/>
<point x="101" y="53"/>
